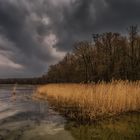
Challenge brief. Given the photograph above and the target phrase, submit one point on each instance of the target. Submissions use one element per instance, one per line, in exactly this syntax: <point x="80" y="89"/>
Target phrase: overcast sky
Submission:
<point x="37" y="33"/>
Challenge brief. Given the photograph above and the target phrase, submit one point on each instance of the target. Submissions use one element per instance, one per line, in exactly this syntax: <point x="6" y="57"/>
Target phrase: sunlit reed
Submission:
<point x="92" y="101"/>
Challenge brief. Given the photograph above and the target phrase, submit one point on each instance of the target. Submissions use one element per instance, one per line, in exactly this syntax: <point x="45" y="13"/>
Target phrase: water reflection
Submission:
<point x="125" y="127"/>
<point x="22" y="118"/>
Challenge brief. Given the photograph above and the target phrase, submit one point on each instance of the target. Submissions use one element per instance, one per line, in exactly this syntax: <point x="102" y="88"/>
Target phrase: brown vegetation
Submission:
<point x="92" y="101"/>
<point x="109" y="56"/>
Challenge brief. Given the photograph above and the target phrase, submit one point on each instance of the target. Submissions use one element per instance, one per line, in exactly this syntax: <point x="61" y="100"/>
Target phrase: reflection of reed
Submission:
<point x="13" y="98"/>
<point x="14" y="89"/>
<point x="121" y="127"/>
<point x="42" y="107"/>
<point x="14" y="93"/>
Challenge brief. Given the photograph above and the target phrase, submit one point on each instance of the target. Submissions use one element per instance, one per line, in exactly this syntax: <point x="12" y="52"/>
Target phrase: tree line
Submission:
<point x="32" y="81"/>
<point x="109" y="56"/>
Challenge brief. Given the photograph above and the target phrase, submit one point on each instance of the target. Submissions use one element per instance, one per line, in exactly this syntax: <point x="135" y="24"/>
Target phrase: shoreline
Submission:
<point x="81" y="108"/>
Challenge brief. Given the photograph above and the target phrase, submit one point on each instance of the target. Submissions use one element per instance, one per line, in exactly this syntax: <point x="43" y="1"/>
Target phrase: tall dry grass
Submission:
<point x="92" y="101"/>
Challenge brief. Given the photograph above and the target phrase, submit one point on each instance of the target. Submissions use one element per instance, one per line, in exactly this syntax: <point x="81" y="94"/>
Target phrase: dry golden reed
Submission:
<point x="92" y="101"/>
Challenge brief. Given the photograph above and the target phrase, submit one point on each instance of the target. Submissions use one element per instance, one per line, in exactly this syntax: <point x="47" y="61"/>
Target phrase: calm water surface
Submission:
<point x="22" y="118"/>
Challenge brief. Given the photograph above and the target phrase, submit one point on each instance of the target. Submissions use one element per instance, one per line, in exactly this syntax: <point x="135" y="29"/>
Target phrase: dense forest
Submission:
<point x="109" y="56"/>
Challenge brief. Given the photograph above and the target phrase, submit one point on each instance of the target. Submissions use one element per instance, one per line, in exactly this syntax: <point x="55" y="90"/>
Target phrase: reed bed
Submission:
<point x="92" y="101"/>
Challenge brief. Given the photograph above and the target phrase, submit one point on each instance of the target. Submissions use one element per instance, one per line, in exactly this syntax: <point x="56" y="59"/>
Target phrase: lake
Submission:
<point x="23" y="118"/>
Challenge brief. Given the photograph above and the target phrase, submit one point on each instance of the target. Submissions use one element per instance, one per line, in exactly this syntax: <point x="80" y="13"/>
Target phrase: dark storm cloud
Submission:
<point x="32" y="31"/>
<point x="84" y="17"/>
<point x="19" y="29"/>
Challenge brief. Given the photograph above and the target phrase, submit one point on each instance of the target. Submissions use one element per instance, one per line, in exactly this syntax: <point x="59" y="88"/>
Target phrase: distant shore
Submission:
<point x="24" y="81"/>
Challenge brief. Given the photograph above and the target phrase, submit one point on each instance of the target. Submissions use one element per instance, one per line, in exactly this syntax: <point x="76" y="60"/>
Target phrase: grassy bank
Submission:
<point x="92" y="101"/>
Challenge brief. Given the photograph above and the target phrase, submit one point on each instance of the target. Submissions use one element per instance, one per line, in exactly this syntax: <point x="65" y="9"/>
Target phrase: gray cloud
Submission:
<point x="37" y="33"/>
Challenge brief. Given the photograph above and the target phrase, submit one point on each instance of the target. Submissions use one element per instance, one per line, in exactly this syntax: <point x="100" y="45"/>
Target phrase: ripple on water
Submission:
<point x="25" y="119"/>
